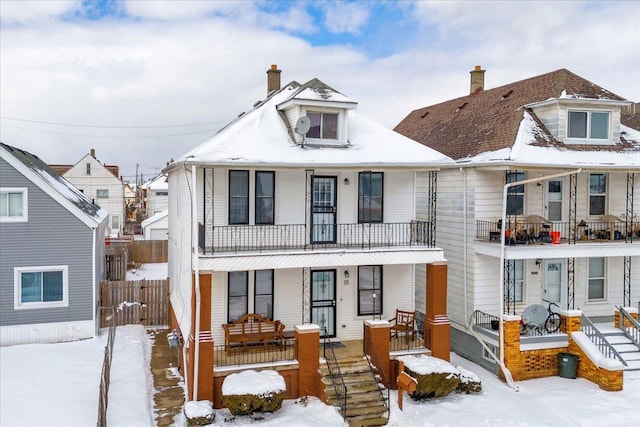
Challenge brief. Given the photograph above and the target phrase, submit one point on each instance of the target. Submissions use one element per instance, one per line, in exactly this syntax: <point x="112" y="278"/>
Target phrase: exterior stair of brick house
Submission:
<point x="623" y="345"/>
<point x="365" y="404"/>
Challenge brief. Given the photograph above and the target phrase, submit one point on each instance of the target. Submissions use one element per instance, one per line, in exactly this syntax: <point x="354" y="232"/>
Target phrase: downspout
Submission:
<point x="196" y="271"/>
<point x="502" y="249"/>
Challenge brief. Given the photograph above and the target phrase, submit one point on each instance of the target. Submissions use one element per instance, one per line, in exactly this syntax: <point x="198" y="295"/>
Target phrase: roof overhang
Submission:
<point x="315" y="103"/>
<point x="279" y="260"/>
<point x="570" y="101"/>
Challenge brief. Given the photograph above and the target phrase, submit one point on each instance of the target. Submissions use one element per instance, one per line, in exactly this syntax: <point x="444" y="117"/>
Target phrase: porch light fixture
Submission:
<point x="346" y="274"/>
<point x="538" y="261"/>
<point x="346" y="181"/>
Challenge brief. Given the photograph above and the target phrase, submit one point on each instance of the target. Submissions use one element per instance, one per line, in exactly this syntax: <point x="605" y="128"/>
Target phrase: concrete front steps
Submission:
<point x="623" y="345"/>
<point x="365" y="405"/>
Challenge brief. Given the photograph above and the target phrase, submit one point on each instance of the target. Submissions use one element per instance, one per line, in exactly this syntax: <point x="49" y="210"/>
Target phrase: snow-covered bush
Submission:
<point x="437" y="377"/>
<point x="250" y="391"/>
<point x="199" y="413"/>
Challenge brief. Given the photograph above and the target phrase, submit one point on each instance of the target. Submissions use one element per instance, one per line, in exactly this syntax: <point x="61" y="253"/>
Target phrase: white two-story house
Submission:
<point x="550" y="166"/>
<point x="101" y="184"/>
<point x="303" y="211"/>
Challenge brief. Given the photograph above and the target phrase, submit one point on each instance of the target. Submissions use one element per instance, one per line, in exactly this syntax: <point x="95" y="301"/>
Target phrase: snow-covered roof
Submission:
<point x="263" y="137"/>
<point x="157" y="183"/>
<point x="50" y="181"/>
<point x="154" y="218"/>
<point x="533" y="146"/>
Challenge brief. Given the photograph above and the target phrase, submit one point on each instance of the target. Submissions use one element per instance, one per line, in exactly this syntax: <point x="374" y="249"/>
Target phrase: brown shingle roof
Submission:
<point x="488" y="120"/>
<point x="631" y="116"/>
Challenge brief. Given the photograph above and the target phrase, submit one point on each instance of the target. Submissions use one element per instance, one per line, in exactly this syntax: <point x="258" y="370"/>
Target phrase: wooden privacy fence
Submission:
<point x="144" y="302"/>
<point x="149" y="251"/>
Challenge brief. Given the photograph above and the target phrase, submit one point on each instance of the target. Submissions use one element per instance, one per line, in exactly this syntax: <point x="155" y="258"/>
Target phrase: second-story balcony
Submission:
<point x="523" y="232"/>
<point x="307" y="237"/>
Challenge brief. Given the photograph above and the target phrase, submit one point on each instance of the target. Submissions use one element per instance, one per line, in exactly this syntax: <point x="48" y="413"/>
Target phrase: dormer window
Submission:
<point x="323" y="125"/>
<point x="588" y="125"/>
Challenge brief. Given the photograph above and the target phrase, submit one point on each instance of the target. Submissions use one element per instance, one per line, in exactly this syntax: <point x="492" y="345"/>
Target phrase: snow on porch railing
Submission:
<point x="247" y="238"/>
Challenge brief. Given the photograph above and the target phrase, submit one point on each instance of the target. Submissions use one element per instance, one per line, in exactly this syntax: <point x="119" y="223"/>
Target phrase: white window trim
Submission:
<point x="605" y="194"/>
<point x="325" y="141"/>
<point x="588" y="140"/>
<point x="604" y="283"/>
<point x="25" y="204"/>
<point x="102" y="197"/>
<point x="17" y="287"/>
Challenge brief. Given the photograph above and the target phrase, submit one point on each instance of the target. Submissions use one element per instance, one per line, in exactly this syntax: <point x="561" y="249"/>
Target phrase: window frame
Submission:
<point x="17" y="286"/>
<point x="588" y="138"/>
<point x="88" y="169"/>
<point x="232" y="220"/>
<point x="245" y="295"/>
<point x="512" y="192"/>
<point x="602" y="195"/>
<point x="102" y="193"/>
<point x="362" y="197"/>
<point x="602" y="278"/>
<point x="322" y="113"/>
<point x="379" y="301"/>
<point x="256" y="294"/>
<point x="25" y="204"/>
<point x="259" y="218"/>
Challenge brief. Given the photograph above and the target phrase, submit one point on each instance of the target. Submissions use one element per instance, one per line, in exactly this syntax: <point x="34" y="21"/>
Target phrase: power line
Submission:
<point x="113" y="126"/>
<point x="113" y="136"/>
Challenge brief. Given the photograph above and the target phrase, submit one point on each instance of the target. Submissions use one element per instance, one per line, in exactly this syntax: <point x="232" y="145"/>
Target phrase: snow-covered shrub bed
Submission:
<point x="438" y="378"/>
<point x="199" y="413"/>
<point x="250" y="391"/>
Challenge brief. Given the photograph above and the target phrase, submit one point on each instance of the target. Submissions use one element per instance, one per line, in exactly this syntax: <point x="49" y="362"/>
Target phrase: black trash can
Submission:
<point x="567" y="365"/>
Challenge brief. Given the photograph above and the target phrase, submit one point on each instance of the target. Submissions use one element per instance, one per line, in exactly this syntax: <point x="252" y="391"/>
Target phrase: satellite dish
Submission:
<point x="302" y="125"/>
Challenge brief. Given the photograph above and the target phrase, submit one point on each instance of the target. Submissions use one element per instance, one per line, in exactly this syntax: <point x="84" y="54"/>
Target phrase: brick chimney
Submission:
<point x="477" y="79"/>
<point x="273" y="79"/>
<point x="93" y="153"/>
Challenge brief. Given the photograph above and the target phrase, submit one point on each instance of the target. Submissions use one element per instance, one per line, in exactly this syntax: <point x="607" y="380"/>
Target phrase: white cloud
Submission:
<point x="184" y="9"/>
<point x="343" y="17"/>
<point x="23" y="11"/>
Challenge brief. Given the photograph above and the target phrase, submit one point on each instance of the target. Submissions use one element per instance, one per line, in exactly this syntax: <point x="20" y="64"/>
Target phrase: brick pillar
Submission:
<point x="631" y="310"/>
<point x="512" y="355"/>
<point x="205" y="341"/>
<point x="572" y="320"/>
<point x="377" y="334"/>
<point x="437" y="329"/>
<point x="308" y="355"/>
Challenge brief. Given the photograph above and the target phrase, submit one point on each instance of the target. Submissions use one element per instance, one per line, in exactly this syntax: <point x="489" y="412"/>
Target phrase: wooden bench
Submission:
<point x="404" y="322"/>
<point x="252" y="331"/>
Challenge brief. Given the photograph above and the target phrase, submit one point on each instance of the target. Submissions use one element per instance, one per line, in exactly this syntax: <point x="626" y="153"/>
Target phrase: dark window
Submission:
<point x="515" y="194"/>
<point x="596" y="278"/>
<point x="323" y="125"/>
<point x="369" y="289"/>
<point x="88" y="168"/>
<point x="237" y="295"/>
<point x="597" y="193"/>
<point x="592" y="125"/>
<point x="265" y="193"/>
<point x="238" y="197"/>
<point x="370" y="196"/>
<point x="41" y="286"/>
<point x="263" y="298"/>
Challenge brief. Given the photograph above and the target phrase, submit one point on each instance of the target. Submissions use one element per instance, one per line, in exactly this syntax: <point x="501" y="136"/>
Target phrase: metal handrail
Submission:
<point x="629" y="326"/>
<point x="373" y="367"/>
<point x="334" y="373"/>
<point x="599" y="340"/>
<point x="287" y="237"/>
<point x="105" y="376"/>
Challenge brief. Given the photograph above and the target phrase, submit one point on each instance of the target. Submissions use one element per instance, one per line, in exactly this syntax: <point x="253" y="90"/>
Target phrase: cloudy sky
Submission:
<point x="144" y="81"/>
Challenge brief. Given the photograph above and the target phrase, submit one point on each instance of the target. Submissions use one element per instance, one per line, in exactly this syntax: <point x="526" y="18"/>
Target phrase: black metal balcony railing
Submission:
<point x="492" y="323"/>
<point x="278" y="352"/>
<point x="247" y="238"/>
<point x="521" y="232"/>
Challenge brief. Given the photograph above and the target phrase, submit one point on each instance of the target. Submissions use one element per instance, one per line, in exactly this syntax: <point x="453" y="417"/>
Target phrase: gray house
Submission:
<point x="51" y="254"/>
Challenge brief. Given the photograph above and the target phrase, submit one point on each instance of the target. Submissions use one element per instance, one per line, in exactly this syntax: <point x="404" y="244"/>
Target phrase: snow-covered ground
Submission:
<point x="57" y="385"/>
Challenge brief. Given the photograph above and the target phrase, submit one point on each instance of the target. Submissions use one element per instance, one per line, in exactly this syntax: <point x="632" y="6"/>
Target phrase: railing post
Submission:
<point x="512" y="355"/>
<point x="308" y="356"/>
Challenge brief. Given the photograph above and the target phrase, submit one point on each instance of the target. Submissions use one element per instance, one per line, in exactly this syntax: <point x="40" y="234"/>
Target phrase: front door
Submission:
<point x="323" y="209"/>
<point x="323" y="301"/>
<point x="554" y="199"/>
<point x="553" y="280"/>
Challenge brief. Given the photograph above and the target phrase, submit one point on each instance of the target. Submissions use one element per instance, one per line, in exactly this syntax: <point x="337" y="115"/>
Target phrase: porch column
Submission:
<point x="437" y="329"/>
<point x="308" y="355"/>
<point x="512" y="355"/>
<point x="377" y="335"/>
<point x="205" y="340"/>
